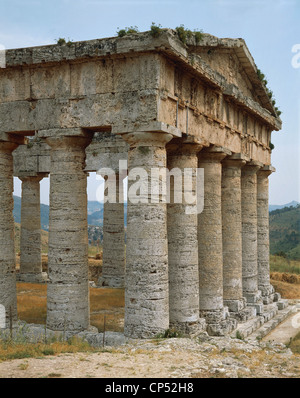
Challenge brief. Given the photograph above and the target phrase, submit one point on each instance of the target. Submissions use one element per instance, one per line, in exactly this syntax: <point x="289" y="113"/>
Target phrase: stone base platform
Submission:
<point x="252" y="330"/>
<point x="269" y="311"/>
<point x="268" y="294"/>
<point x="33" y="278"/>
<point x="282" y="304"/>
<point x="190" y="329"/>
<point x="244" y="315"/>
<point x="118" y="283"/>
<point x="33" y="333"/>
<point x="222" y="328"/>
<point x="268" y="326"/>
<point x="261" y="325"/>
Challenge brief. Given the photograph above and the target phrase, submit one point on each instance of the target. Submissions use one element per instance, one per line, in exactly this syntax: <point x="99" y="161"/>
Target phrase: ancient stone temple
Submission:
<point x="67" y="110"/>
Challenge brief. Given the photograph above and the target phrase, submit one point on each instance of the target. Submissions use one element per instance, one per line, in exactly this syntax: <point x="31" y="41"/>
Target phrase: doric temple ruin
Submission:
<point x="67" y="110"/>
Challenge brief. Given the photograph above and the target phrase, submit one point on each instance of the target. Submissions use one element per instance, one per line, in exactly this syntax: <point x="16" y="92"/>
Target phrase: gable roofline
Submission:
<point x="166" y="43"/>
<point x="240" y="49"/>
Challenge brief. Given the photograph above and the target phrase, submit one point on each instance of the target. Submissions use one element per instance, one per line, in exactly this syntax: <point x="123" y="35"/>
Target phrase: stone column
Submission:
<point x="183" y="243"/>
<point x="31" y="256"/>
<point x="232" y="232"/>
<point x="263" y="246"/>
<point x="113" y="269"/>
<point x="68" y="286"/>
<point x="249" y="234"/>
<point x="210" y="245"/>
<point x="8" y="291"/>
<point x="146" y="280"/>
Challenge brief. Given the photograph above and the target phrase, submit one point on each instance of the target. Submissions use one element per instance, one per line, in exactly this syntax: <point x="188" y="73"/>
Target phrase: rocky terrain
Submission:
<point x="204" y="357"/>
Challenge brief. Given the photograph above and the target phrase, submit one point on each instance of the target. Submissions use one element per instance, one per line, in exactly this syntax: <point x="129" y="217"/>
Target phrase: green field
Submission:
<point x="281" y="264"/>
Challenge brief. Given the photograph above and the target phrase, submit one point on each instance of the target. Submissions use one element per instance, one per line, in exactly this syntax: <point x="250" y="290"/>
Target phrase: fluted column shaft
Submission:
<point x="210" y="244"/>
<point x="249" y="232"/>
<point x="183" y="243"/>
<point x="146" y="281"/>
<point x="263" y="246"/>
<point x="232" y="233"/>
<point x="30" y="242"/>
<point x="113" y="269"/>
<point x="8" y="291"/>
<point x="68" y="287"/>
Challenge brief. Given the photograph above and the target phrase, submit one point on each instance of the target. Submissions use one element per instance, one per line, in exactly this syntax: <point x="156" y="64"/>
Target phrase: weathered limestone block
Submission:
<point x="113" y="268"/>
<point x="263" y="246"/>
<point x="183" y="243"/>
<point x="147" y="290"/>
<point x="68" y="287"/>
<point x="32" y="159"/>
<point x="30" y="243"/>
<point x="106" y="151"/>
<point x="210" y="244"/>
<point x="8" y="291"/>
<point x="249" y="234"/>
<point x="232" y="232"/>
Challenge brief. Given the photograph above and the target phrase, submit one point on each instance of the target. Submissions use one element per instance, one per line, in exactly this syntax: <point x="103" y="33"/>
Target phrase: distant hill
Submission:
<point x="277" y="207"/>
<point x="95" y="213"/>
<point x="94" y="206"/>
<point x="96" y="218"/>
<point x="284" y="224"/>
<point x="285" y="232"/>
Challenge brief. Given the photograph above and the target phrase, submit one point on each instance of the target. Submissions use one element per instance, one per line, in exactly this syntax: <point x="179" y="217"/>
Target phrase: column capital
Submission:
<point x="147" y="138"/>
<point x="64" y="138"/>
<point x="265" y="171"/>
<point x="67" y="132"/>
<point x="252" y="167"/>
<point x="63" y="142"/>
<point x="32" y="177"/>
<point x="235" y="160"/>
<point x="186" y="145"/>
<point x="214" y="154"/>
<point x="151" y="127"/>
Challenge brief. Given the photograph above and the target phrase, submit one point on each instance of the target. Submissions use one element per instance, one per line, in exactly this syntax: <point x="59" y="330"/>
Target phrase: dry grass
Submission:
<point x="10" y="350"/>
<point x="32" y="302"/>
<point x="108" y="303"/>
<point x="96" y="252"/>
<point x="285" y="277"/>
<point x="287" y="290"/>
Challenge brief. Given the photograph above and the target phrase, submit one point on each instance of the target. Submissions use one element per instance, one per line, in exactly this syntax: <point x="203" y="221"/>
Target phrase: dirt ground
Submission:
<point x="166" y="358"/>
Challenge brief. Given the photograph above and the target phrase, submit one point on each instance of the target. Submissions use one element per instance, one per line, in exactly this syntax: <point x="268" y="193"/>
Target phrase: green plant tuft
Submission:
<point x="127" y="31"/>
<point x="198" y="36"/>
<point x="239" y="335"/>
<point x="61" y="41"/>
<point x="169" y="334"/>
<point x="155" y="30"/>
<point x="185" y="34"/>
<point x="263" y="79"/>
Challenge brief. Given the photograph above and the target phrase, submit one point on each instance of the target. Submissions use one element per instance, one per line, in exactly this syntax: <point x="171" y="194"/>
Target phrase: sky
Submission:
<point x="271" y="29"/>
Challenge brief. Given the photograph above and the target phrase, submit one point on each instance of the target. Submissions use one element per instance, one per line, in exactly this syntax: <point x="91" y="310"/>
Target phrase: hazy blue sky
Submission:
<point x="270" y="27"/>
